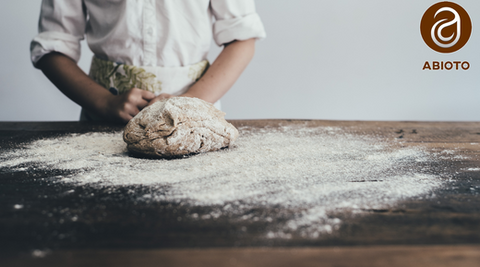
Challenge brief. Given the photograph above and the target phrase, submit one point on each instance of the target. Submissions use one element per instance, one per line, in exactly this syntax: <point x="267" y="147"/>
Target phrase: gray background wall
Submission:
<point x="348" y="60"/>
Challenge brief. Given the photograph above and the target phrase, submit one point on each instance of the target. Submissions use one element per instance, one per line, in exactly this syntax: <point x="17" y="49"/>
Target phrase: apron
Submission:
<point x="119" y="78"/>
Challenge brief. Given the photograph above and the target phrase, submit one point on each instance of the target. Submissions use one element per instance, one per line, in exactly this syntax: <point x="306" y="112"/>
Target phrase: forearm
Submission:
<point x="65" y="74"/>
<point x="76" y="85"/>
<point x="224" y="71"/>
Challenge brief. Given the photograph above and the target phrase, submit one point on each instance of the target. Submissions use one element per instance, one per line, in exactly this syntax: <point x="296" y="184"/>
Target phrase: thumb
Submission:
<point x="147" y="95"/>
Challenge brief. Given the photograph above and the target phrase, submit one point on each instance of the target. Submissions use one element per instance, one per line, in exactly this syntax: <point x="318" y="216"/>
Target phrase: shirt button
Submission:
<point x="150" y="31"/>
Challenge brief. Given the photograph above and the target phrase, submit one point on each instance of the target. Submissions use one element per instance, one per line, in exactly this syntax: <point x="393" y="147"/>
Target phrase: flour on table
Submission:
<point x="178" y="126"/>
<point x="310" y="174"/>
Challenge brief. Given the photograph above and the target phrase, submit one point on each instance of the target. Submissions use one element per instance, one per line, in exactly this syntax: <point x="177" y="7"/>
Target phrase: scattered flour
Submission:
<point x="310" y="172"/>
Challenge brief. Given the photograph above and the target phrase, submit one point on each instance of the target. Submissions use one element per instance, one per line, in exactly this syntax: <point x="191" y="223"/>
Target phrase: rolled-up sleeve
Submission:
<point x="61" y="28"/>
<point x="236" y="20"/>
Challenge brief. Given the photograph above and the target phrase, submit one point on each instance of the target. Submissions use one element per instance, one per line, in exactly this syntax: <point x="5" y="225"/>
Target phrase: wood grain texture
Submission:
<point x="392" y="256"/>
<point x="116" y="230"/>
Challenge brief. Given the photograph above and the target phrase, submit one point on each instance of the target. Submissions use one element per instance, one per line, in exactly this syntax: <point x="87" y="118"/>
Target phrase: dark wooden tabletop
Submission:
<point x="440" y="231"/>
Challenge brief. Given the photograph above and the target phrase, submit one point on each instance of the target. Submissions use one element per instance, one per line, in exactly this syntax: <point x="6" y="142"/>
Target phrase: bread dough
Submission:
<point x="178" y="126"/>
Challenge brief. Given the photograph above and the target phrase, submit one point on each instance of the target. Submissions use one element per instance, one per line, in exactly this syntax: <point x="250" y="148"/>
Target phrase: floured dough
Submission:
<point x="178" y="126"/>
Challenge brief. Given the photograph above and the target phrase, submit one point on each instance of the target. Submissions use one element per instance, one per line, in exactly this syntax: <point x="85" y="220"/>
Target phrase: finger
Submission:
<point x="125" y="117"/>
<point x="165" y="96"/>
<point x="134" y="111"/>
<point x="142" y="104"/>
<point x="147" y="95"/>
<point x="156" y="99"/>
<point x="130" y="109"/>
<point x="134" y="92"/>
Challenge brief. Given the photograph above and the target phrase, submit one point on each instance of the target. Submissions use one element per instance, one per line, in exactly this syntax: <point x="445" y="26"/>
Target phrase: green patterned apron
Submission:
<point x="119" y="78"/>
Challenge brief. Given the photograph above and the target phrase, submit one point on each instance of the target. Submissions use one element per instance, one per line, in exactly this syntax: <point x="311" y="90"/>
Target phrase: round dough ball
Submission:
<point x="178" y="126"/>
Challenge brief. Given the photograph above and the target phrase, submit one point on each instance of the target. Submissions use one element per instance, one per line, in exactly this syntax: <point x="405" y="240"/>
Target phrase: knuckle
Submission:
<point x="131" y="97"/>
<point x="125" y="106"/>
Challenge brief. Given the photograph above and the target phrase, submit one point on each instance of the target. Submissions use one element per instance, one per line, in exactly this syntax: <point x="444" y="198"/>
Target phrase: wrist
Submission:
<point x="102" y="103"/>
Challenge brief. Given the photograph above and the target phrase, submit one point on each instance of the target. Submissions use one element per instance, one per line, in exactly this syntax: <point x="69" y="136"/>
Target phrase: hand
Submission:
<point x="187" y="94"/>
<point x="125" y="106"/>
<point x="78" y="86"/>
<point x="160" y="97"/>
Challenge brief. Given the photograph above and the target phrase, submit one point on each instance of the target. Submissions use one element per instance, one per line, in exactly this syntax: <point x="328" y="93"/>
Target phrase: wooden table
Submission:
<point x="444" y="231"/>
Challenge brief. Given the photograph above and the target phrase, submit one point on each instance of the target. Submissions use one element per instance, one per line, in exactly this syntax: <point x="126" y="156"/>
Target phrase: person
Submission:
<point x="144" y="51"/>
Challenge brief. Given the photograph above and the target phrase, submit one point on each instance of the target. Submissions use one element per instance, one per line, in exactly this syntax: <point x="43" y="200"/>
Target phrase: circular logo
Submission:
<point x="446" y="27"/>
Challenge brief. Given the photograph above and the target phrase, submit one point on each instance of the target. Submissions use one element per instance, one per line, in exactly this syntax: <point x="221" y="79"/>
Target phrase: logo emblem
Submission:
<point x="446" y="27"/>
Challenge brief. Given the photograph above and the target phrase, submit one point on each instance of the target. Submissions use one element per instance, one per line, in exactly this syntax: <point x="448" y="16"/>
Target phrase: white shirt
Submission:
<point x="166" y="33"/>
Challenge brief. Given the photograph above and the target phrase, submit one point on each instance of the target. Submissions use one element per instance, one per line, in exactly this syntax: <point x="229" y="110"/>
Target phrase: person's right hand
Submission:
<point x="125" y="106"/>
<point x="79" y="87"/>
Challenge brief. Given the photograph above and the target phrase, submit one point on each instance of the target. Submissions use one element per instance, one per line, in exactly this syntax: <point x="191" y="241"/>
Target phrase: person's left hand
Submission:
<point x="160" y="97"/>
